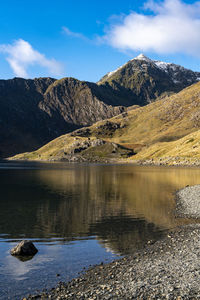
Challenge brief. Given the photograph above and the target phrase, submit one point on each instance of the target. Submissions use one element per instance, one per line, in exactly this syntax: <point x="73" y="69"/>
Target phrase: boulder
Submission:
<point x="24" y="248"/>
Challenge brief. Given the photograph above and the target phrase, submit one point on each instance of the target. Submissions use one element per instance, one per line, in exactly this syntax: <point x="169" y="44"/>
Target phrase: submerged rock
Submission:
<point x="24" y="248"/>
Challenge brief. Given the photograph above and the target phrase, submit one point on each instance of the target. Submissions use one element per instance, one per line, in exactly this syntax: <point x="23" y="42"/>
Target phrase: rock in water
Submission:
<point x="24" y="248"/>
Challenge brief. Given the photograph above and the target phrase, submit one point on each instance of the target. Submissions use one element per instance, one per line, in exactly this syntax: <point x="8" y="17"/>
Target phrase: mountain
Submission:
<point x="166" y="130"/>
<point x="33" y="112"/>
<point x="142" y="80"/>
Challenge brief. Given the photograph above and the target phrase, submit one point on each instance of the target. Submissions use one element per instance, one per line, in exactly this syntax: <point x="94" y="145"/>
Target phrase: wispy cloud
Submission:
<point x="170" y="26"/>
<point x="20" y="55"/>
<point x="78" y="35"/>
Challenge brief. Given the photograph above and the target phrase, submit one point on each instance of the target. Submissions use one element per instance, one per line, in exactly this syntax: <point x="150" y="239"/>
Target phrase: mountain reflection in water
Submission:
<point x="122" y="205"/>
<point x="80" y="215"/>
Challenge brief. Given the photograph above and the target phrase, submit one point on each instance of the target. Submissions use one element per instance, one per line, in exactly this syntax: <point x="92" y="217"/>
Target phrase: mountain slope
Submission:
<point x="77" y="102"/>
<point x="33" y="112"/>
<point x="184" y="151"/>
<point x="143" y="129"/>
<point x="20" y="118"/>
<point x="142" y="80"/>
<point x="162" y="121"/>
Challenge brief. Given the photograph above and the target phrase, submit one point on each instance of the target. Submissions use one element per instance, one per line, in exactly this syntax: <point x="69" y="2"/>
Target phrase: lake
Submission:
<point x="79" y="215"/>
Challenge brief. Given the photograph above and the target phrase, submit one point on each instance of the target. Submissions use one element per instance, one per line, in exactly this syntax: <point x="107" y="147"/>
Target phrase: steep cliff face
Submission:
<point x="33" y="112"/>
<point x="142" y="80"/>
<point x="77" y="102"/>
<point x="21" y="122"/>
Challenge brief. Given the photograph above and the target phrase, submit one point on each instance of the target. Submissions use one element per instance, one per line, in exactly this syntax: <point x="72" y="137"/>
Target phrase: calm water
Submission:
<point x="80" y="215"/>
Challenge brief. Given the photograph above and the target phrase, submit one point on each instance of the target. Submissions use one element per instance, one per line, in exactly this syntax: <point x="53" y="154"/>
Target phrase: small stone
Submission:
<point x="24" y="248"/>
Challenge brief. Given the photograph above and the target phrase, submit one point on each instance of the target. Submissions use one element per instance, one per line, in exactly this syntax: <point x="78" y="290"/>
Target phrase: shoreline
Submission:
<point x="188" y="202"/>
<point x="166" y="162"/>
<point x="167" y="269"/>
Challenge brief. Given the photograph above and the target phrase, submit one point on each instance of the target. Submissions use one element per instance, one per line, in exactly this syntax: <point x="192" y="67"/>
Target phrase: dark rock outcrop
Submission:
<point x="24" y="248"/>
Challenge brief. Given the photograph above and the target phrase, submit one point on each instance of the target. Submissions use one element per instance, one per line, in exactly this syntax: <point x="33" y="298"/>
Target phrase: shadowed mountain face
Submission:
<point x="33" y="112"/>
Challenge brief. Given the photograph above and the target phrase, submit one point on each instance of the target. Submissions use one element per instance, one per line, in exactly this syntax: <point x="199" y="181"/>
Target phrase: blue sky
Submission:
<point x="86" y="39"/>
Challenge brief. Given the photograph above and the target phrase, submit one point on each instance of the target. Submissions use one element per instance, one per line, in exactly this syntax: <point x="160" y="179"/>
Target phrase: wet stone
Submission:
<point x="24" y="248"/>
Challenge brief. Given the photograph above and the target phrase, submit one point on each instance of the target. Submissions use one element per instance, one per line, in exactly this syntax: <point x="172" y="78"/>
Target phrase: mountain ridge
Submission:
<point x="152" y="131"/>
<point x="31" y="116"/>
<point x="36" y="111"/>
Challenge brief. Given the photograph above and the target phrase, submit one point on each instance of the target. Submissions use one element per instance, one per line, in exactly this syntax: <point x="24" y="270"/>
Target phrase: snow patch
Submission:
<point x="161" y="65"/>
<point x="113" y="72"/>
<point x="142" y="57"/>
<point x="139" y="57"/>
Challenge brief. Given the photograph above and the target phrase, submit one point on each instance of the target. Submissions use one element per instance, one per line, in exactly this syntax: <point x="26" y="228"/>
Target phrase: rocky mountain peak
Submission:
<point x="142" y="57"/>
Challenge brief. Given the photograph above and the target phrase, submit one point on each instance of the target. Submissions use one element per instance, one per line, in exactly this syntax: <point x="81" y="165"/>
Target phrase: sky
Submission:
<point x="86" y="39"/>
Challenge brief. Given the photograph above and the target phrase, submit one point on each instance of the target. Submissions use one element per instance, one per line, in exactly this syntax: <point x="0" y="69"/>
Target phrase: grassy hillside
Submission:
<point x="162" y="121"/>
<point x="166" y="128"/>
<point x="185" y="151"/>
<point x="78" y="149"/>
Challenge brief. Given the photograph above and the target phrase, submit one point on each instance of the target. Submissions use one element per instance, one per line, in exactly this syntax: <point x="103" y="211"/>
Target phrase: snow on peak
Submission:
<point x="142" y="57"/>
<point x="161" y="64"/>
<point x="169" y="68"/>
<point x="139" y="57"/>
<point x="112" y="72"/>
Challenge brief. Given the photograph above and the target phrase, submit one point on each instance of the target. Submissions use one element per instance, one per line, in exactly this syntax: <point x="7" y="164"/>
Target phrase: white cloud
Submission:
<point x="171" y="26"/>
<point x="20" y="55"/>
<point x="78" y="35"/>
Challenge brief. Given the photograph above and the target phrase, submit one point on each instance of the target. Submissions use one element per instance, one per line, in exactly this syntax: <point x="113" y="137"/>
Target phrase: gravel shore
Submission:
<point x="167" y="269"/>
<point x="188" y="202"/>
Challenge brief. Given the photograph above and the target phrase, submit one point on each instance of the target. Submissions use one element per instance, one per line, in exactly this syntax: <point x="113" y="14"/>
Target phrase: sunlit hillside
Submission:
<point x="152" y="131"/>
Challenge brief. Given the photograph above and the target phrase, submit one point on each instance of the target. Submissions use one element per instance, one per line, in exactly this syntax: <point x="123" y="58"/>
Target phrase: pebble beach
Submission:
<point x="167" y="269"/>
